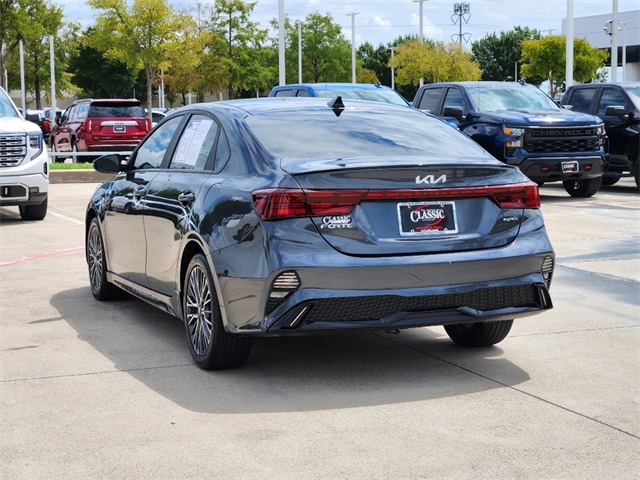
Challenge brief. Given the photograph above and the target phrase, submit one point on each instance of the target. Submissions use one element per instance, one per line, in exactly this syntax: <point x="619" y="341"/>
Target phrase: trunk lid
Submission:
<point x="415" y="206"/>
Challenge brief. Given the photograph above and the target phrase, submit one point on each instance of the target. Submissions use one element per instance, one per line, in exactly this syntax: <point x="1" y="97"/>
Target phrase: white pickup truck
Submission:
<point x="24" y="166"/>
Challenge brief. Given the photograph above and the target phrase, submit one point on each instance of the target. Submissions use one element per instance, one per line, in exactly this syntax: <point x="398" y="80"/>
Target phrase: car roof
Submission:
<point x="337" y="85"/>
<point x="606" y="84"/>
<point x="257" y="106"/>
<point x="484" y="84"/>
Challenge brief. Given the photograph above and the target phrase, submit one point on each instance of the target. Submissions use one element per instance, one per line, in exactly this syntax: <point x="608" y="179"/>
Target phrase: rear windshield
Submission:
<point x="378" y="95"/>
<point x="116" y="110"/>
<point x="319" y="133"/>
<point x="494" y="99"/>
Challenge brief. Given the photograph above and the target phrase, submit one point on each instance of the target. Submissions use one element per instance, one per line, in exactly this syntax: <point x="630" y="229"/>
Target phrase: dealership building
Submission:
<point x="594" y="30"/>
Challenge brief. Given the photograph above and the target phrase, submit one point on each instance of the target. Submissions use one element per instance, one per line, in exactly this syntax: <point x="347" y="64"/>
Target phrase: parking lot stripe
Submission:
<point x="40" y="255"/>
<point x="66" y="217"/>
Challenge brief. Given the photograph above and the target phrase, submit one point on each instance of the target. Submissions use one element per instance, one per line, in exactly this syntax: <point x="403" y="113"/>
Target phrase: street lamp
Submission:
<point x="353" y="45"/>
<point x="393" y="71"/>
<point x="299" y="51"/>
<point x="421" y="29"/>
<point x="281" y="64"/>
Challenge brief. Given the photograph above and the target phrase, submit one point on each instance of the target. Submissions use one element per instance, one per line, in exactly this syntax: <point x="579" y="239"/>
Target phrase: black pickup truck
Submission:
<point x="618" y="104"/>
<point x="520" y="125"/>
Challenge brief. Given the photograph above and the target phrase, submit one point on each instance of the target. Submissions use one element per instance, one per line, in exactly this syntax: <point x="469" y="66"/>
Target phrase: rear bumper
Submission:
<point x="550" y="169"/>
<point x="339" y="292"/>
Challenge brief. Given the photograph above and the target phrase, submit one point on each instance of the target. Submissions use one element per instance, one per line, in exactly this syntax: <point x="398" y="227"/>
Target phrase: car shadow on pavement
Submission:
<point x="284" y="374"/>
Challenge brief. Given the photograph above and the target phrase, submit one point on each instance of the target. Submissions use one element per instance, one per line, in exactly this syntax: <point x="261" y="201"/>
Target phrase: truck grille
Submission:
<point x="13" y="149"/>
<point x="550" y="140"/>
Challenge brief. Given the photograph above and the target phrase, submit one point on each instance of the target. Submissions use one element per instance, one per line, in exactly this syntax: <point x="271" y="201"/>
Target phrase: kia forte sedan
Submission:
<point x="284" y="217"/>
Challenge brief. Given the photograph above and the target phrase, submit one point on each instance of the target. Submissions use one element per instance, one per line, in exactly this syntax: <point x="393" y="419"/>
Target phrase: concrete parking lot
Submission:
<point x="94" y="390"/>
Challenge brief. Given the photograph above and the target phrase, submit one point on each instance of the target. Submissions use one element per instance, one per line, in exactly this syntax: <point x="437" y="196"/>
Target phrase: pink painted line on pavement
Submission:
<point x="40" y="255"/>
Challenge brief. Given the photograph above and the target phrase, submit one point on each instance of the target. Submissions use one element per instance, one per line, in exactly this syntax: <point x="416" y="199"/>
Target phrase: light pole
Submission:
<point x="299" y="51"/>
<point x="353" y="45"/>
<point x="421" y="29"/>
<point x="569" y="45"/>
<point x="393" y="71"/>
<point x="614" y="42"/>
<point x="281" y="65"/>
<point x="52" y="62"/>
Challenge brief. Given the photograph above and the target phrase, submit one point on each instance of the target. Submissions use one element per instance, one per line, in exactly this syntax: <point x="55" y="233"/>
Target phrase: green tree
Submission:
<point x="497" y="54"/>
<point x="185" y="57"/>
<point x="99" y="77"/>
<point x="433" y="61"/>
<point x="377" y="60"/>
<point x="33" y="22"/>
<point x="235" y="52"/>
<point x="546" y="58"/>
<point x="137" y="34"/>
<point x="326" y="54"/>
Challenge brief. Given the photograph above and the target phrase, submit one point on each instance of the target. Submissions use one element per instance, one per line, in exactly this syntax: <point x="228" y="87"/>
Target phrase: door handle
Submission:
<point x="186" y="197"/>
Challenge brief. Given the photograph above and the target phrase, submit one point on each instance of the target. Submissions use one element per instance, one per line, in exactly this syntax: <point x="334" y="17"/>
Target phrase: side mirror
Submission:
<point x="615" y="111"/>
<point x="455" y="112"/>
<point x="567" y="107"/>
<point x="108" y="164"/>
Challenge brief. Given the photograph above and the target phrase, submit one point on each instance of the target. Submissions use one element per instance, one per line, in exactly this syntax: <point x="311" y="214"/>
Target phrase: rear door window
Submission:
<point x="285" y="93"/>
<point x="430" y="100"/>
<point x="196" y="143"/>
<point x="581" y="99"/>
<point x="303" y="93"/>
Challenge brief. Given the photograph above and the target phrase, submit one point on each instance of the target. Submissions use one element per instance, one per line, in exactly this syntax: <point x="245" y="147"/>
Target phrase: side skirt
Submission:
<point x="158" y="300"/>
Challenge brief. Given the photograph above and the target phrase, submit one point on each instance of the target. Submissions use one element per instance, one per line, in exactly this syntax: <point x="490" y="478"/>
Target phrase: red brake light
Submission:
<point x="87" y="125"/>
<point x="277" y="203"/>
<point x="281" y="203"/>
<point x="147" y="124"/>
<point x="47" y="125"/>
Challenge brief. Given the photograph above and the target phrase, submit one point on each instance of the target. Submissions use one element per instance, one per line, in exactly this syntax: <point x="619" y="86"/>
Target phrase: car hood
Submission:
<point x="9" y="125"/>
<point x="540" y="117"/>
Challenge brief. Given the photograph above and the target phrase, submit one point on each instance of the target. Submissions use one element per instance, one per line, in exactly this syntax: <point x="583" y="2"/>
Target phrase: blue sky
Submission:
<point x="380" y="21"/>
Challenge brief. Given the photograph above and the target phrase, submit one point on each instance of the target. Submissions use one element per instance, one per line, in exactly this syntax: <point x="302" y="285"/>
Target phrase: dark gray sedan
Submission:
<point x="302" y="216"/>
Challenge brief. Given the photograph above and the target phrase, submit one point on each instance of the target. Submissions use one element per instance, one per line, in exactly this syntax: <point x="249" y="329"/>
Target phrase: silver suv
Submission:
<point x="24" y="168"/>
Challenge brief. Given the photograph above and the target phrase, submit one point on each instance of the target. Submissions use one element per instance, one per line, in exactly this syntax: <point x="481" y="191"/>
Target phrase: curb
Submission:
<point x="78" y="176"/>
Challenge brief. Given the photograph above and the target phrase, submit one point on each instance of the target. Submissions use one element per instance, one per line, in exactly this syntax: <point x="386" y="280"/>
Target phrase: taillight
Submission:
<point x="46" y="125"/>
<point x="517" y="195"/>
<point x="147" y="124"/>
<point x="87" y="125"/>
<point x="276" y="203"/>
<point x="280" y="203"/>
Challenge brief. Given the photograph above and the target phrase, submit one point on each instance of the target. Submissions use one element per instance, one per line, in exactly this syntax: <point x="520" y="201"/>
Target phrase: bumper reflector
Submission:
<point x="284" y="285"/>
<point x="547" y="269"/>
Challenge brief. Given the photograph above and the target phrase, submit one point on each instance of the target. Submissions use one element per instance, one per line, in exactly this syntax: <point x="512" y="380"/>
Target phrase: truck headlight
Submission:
<point x="516" y="132"/>
<point x="36" y="143"/>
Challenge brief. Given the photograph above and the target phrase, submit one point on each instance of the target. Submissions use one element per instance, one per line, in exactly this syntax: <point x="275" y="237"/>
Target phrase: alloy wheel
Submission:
<point x="94" y="254"/>
<point x="199" y="311"/>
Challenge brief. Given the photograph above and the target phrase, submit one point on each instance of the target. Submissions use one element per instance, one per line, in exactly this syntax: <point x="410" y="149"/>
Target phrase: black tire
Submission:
<point x="582" y="188"/>
<point x="211" y="347"/>
<point x="480" y="334"/>
<point x="94" y="248"/>
<point x="34" y="212"/>
<point x="608" y="181"/>
<point x="74" y="150"/>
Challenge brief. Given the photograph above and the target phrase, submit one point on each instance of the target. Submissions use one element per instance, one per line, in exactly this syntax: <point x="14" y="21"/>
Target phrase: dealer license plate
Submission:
<point x="120" y="129"/>
<point x="569" y="167"/>
<point x="427" y="218"/>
